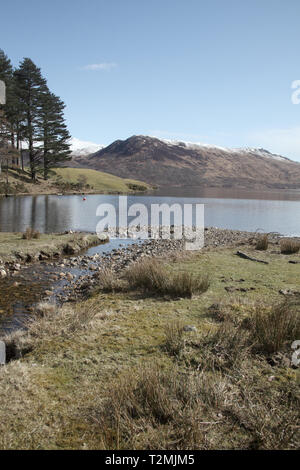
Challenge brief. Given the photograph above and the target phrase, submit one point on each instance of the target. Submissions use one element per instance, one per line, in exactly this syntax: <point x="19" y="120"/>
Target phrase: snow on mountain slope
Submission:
<point x="83" y="148"/>
<point x="198" y="145"/>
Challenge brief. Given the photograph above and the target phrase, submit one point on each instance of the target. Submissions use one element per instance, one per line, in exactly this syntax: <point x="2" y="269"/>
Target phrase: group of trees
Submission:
<point x="33" y="116"/>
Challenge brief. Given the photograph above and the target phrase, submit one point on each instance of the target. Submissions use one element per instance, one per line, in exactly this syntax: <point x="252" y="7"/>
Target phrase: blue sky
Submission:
<point x="212" y="71"/>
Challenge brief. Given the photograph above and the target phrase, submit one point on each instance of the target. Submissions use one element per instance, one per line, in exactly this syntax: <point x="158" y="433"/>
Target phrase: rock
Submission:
<point x="289" y="292"/>
<point x="230" y="288"/>
<point x="189" y="328"/>
<point x="69" y="276"/>
<point x="250" y="258"/>
<point x="3" y="273"/>
<point x="43" y="256"/>
<point x="71" y="249"/>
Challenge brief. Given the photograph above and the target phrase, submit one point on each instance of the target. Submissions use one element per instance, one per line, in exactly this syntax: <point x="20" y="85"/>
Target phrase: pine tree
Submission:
<point x="29" y="87"/>
<point x="53" y="133"/>
<point x="6" y="75"/>
<point x="6" y="69"/>
<point x="7" y="153"/>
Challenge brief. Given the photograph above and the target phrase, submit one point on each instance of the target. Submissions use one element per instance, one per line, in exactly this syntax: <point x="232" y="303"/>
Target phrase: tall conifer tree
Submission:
<point x="29" y="86"/>
<point x="53" y="133"/>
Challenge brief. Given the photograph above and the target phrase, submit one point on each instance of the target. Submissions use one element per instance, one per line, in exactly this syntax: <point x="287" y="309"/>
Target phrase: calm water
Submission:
<point x="270" y="212"/>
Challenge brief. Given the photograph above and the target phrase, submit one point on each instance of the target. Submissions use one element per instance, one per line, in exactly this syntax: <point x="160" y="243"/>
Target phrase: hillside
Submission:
<point x="68" y="180"/>
<point x="162" y="162"/>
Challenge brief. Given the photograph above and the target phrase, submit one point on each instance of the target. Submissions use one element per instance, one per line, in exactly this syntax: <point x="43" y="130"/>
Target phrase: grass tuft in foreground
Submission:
<point x="152" y="276"/>
<point x="30" y="234"/>
<point x="289" y="246"/>
<point x="270" y="329"/>
<point x="262" y="242"/>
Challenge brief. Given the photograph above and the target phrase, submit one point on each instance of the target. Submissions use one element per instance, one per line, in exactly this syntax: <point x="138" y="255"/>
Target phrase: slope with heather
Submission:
<point x="162" y="162"/>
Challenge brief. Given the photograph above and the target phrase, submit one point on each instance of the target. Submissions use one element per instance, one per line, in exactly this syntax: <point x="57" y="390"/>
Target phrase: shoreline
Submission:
<point x="181" y="190"/>
<point x="76" y="366"/>
<point x="71" y="274"/>
<point x="15" y="250"/>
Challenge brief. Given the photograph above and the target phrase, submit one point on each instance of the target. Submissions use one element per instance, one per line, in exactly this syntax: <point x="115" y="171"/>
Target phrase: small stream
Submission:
<point x="48" y="280"/>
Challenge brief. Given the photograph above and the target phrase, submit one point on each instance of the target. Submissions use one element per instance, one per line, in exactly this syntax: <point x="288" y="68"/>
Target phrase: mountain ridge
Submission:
<point x="162" y="162"/>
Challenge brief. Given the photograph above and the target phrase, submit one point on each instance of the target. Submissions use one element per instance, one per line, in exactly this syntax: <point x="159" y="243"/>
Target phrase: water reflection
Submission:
<point x="51" y="213"/>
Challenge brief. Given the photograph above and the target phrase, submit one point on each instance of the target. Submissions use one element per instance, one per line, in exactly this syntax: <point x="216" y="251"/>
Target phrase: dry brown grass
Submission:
<point x="152" y="276"/>
<point x="159" y="408"/>
<point x="174" y="332"/>
<point x="262" y="242"/>
<point x="108" y="281"/>
<point x="271" y="328"/>
<point x="151" y="408"/>
<point x="288" y="246"/>
<point x="268" y="329"/>
<point x="48" y="322"/>
<point x="30" y="234"/>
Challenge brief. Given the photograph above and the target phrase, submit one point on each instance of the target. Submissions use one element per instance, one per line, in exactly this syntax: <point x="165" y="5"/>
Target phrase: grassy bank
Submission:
<point x="69" y="180"/>
<point x="132" y="368"/>
<point x="14" y="247"/>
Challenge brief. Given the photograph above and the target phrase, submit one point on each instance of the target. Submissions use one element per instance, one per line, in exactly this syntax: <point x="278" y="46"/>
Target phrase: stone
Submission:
<point x="189" y="328"/>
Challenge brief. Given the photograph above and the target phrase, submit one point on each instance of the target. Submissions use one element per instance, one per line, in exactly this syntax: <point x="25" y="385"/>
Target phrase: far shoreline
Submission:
<point x="210" y="192"/>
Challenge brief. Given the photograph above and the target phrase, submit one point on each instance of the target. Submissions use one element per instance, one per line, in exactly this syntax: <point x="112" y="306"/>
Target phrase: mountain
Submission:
<point x="162" y="162"/>
<point x="81" y="148"/>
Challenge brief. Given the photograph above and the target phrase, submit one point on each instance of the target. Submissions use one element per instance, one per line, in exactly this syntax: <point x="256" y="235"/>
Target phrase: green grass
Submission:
<point x="14" y="243"/>
<point x="118" y="371"/>
<point x="98" y="180"/>
<point x="66" y="180"/>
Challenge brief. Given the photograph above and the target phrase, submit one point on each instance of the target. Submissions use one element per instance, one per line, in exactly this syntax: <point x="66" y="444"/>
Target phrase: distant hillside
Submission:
<point x="162" y="163"/>
<point x="68" y="180"/>
<point x="99" y="181"/>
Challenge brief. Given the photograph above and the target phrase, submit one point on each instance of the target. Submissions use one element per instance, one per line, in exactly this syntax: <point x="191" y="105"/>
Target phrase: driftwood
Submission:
<point x="243" y="255"/>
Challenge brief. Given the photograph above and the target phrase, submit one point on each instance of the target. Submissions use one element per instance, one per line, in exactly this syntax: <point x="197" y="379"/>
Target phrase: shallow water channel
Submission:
<point x="33" y="283"/>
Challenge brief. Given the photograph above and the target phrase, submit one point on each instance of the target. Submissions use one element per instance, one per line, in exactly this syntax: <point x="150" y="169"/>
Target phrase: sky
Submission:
<point x="212" y="71"/>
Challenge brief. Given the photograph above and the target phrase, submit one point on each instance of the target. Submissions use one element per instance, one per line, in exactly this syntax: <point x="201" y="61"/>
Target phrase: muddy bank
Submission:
<point x="16" y="252"/>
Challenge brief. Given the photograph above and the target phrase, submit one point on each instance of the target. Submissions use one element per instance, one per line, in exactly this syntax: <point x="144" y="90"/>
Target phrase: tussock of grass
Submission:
<point x="30" y="234"/>
<point x="46" y="323"/>
<point x="262" y="242"/>
<point x="152" y="276"/>
<point x="174" y="332"/>
<point x="155" y="408"/>
<point x="289" y="246"/>
<point x="265" y="331"/>
<point x="108" y="281"/>
<point x="152" y="408"/>
<point x="272" y="328"/>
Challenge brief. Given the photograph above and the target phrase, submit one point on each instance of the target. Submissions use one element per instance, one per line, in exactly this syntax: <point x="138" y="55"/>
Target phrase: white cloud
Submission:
<point x="102" y="66"/>
<point x="285" y="142"/>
